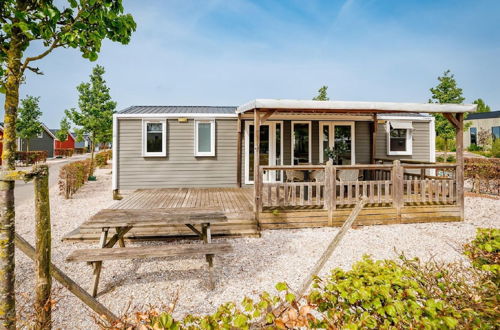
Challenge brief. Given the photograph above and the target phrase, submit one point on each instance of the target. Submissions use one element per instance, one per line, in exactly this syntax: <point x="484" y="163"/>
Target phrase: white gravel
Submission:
<point x="256" y="264"/>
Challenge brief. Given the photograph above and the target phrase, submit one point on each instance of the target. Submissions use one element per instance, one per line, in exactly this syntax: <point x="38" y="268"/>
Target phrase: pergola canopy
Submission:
<point x="353" y="107"/>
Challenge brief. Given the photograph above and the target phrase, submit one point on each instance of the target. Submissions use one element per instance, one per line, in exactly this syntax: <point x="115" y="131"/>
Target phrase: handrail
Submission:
<point x="321" y="167"/>
<point x="410" y="166"/>
<point x="408" y="161"/>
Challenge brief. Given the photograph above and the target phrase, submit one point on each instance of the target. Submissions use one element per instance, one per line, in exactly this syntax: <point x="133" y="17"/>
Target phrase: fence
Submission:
<point x="326" y="186"/>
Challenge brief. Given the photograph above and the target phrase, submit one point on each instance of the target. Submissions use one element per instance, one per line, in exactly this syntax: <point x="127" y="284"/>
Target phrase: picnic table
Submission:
<point x="123" y="220"/>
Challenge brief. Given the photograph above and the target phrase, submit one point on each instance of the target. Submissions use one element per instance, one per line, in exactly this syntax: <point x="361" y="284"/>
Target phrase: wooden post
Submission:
<point x="238" y="151"/>
<point x="373" y="147"/>
<point x="460" y="162"/>
<point x="256" y="163"/>
<point x="67" y="282"/>
<point x="330" y="191"/>
<point x="42" y="247"/>
<point x="397" y="187"/>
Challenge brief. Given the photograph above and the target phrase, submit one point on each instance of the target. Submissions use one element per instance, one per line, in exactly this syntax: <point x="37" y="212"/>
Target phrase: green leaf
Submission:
<point x="290" y="297"/>
<point x="240" y="321"/>
<point x="450" y="321"/>
<point x="281" y="286"/>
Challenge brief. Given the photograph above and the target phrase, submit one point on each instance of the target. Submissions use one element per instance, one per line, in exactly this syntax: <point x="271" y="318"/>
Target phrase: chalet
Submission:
<point x="45" y="141"/>
<point x="488" y="122"/>
<point x="292" y="163"/>
<point x="69" y="143"/>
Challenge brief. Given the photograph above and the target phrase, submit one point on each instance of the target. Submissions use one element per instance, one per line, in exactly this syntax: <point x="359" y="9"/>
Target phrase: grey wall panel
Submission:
<point x="180" y="168"/>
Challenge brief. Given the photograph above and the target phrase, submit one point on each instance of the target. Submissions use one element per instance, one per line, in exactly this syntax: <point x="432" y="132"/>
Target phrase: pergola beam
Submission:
<point x="266" y="116"/>
<point x="452" y="119"/>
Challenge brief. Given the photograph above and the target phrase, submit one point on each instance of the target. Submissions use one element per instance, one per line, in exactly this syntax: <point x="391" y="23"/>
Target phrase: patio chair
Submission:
<point x="318" y="176"/>
<point x="294" y="176"/>
<point x="348" y="175"/>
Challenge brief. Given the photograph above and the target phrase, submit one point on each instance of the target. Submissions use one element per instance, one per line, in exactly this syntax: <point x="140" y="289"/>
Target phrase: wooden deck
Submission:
<point x="236" y="203"/>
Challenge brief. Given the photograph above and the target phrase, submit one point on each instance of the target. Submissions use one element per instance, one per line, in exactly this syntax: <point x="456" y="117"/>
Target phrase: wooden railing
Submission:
<point x="381" y="184"/>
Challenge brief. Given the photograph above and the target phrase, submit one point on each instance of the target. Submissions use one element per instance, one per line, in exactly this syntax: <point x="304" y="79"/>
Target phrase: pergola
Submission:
<point x="264" y="109"/>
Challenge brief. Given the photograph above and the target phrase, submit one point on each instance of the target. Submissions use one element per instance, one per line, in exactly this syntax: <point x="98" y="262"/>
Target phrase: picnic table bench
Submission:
<point x="123" y="220"/>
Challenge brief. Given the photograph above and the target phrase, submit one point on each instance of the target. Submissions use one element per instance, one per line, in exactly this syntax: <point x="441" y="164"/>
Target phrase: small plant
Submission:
<point x="474" y="147"/>
<point x="451" y="159"/>
<point x="495" y="148"/>
<point x="337" y="151"/>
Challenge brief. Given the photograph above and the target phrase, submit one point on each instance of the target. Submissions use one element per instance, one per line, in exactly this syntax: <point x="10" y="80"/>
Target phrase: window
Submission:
<point x="154" y="138"/>
<point x="301" y="143"/>
<point x="204" y="138"/>
<point x="399" y="138"/>
<point x="473" y="135"/>
<point x="340" y="137"/>
<point x="495" y="132"/>
<point x="40" y="135"/>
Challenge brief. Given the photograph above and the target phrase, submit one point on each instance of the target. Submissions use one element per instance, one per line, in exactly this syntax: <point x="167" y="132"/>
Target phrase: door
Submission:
<point x="271" y="140"/>
<point x="340" y="134"/>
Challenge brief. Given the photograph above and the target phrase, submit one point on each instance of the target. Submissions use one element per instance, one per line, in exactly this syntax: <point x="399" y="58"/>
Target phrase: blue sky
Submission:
<point x="204" y="52"/>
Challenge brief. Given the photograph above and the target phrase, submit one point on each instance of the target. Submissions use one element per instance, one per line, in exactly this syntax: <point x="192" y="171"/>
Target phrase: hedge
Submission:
<point x="64" y="152"/>
<point x="80" y="151"/>
<point x="102" y="157"/>
<point x="484" y="173"/>
<point x="72" y="176"/>
<point x="27" y="158"/>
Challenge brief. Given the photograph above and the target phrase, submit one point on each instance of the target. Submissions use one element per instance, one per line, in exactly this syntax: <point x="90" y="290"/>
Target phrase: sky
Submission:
<point x="214" y="52"/>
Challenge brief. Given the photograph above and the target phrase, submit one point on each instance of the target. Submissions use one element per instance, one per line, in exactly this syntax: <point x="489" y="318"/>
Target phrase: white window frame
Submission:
<point x="409" y="142"/>
<point x="293" y="138"/>
<point x="210" y="153"/>
<point x="40" y="135"/>
<point x="272" y="151"/>
<point x="331" y="137"/>
<point x="163" y="153"/>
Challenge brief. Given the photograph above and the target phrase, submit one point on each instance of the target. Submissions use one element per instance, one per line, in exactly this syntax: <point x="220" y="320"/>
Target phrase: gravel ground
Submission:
<point x="255" y="265"/>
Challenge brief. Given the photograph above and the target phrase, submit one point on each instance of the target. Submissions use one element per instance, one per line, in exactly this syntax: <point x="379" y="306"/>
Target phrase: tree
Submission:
<point x="481" y="106"/>
<point x="28" y="123"/>
<point x="446" y="91"/>
<point x="81" y="24"/>
<point x="64" y="129"/>
<point x="322" y="95"/>
<point x="95" y="110"/>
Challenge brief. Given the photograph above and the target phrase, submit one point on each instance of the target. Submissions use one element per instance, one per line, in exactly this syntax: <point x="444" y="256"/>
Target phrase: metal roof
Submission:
<point x="483" y="115"/>
<point x="353" y="107"/>
<point x="186" y="109"/>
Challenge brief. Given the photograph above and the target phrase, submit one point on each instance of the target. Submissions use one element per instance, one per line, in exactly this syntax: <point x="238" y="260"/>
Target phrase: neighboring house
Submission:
<point x="45" y="141"/>
<point x="487" y="121"/>
<point x="85" y="144"/>
<point x="68" y="144"/>
<point x="197" y="146"/>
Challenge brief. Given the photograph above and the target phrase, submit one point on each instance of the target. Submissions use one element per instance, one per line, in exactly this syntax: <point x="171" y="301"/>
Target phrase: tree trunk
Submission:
<point x="27" y="145"/>
<point x="43" y="304"/>
<point x="7" y="210"/>
<point x="92" y="147"/>
<point x="445" y="150"/>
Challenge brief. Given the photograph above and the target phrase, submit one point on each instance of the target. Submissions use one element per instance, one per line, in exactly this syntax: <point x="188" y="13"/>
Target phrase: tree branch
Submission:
<point x="35" y="70"/>
<point x="54" y="45"/>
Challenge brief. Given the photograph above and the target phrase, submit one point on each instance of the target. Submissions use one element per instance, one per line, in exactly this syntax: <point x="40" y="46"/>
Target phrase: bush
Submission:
<point x="63" y="152"/>
<point x="80" y="151"/>
<point x="102" y="157"/>
<point x="474" y="147"/>
<point x="381" y="294"/>
<point x="27" y="158"/>
<point x="484" y="174"/>
<point x="495" y="148"/>
<point x="451" y="159"/>
<point x="72" y="176"/>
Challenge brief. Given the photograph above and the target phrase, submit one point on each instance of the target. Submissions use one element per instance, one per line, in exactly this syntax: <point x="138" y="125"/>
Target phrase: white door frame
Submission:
<point x="308" y="122"/>
<point x="331" y="137"/>
<point x="272" y="149"/>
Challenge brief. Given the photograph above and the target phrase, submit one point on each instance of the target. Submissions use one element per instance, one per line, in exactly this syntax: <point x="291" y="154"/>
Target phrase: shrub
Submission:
<point x="80" y="151"/>
<point x="495" y="148"/>
<point x="383" y="294"/>
<point x="484" y="174"/>
<point x="27" y="158"/>
<point x="63" y="152"/>
<point x="72" y="176"/>
<point x="451" y="159"/>
<point x="102" y="158"/>
<point x="474" y="147"/>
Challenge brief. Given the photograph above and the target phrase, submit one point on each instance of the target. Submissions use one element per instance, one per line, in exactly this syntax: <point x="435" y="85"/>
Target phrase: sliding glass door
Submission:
<point x="340" y="134"/>
<point x="270" y="152"/>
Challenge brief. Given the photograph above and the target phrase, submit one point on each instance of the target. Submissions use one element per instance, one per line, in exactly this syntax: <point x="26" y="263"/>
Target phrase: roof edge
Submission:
<point x="354" y="106"/>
